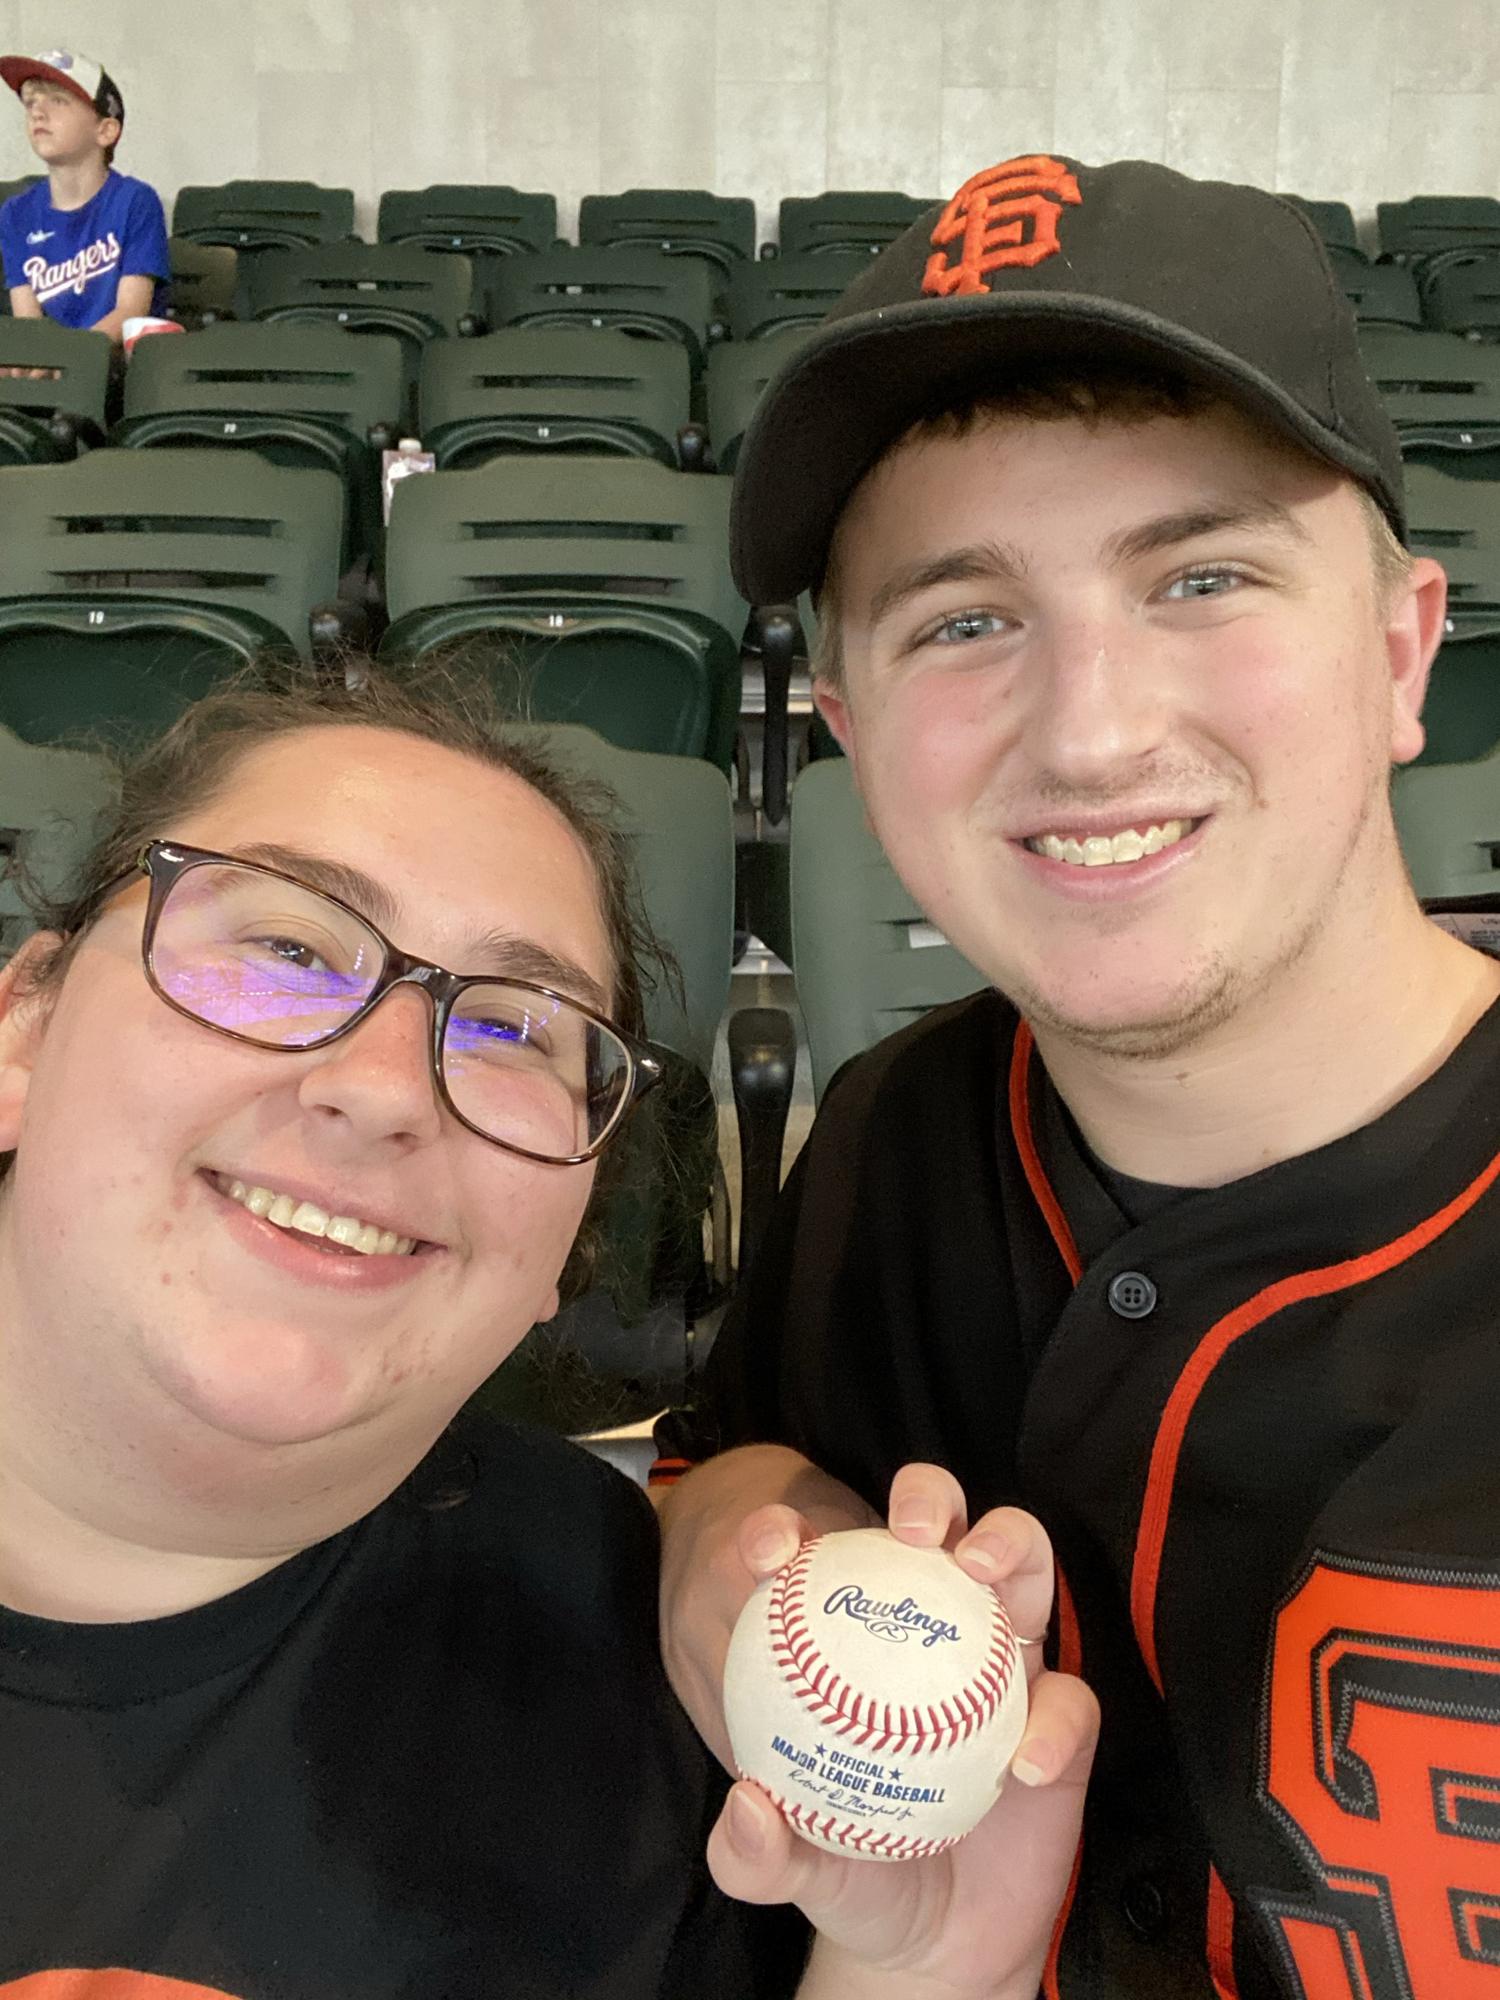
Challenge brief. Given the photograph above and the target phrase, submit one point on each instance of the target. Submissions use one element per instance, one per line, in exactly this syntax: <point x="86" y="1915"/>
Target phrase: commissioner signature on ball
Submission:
<point x="836" y="1798"/>
<point x="894" y="1622"/>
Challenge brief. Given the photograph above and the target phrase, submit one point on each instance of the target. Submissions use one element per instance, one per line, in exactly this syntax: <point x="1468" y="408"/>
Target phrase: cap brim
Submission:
<point x="845" y="398"/>
<point x="17" y="70"/>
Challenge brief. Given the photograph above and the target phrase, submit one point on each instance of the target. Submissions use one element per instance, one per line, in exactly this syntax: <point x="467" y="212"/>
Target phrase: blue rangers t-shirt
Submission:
<point x="74" y="258"/>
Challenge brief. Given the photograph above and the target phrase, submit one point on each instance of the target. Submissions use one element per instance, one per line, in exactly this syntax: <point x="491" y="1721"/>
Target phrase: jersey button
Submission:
<point x="1132" y="1294"/>
<point x="1145" y="1907"/>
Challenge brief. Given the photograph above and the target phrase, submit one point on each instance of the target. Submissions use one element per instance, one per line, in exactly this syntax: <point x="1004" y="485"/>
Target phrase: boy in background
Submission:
<point x="87" y="247"/>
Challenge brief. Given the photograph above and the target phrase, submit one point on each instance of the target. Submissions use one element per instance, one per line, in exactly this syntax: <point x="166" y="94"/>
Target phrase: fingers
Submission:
<point x="1009" y="1550"/>
<point x="1062" y="1731"/>
<point x="1006" y="1548"/>
<point x="927" y="1507"/>
<point x="754" y="1855"/>
<point x="769" y="1538"/>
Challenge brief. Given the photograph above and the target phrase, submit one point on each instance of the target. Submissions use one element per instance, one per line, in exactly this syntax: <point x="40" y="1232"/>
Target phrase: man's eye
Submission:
<point x="965" y="625"/>
<point x="1196" y="583"/>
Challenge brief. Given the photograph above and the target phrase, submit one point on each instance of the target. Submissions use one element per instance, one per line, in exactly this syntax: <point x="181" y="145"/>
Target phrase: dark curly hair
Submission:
<point x="440" y="702"/>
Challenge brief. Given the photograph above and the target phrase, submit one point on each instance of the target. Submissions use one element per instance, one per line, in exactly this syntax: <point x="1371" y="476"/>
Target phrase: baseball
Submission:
<point x="877" y="1693"/>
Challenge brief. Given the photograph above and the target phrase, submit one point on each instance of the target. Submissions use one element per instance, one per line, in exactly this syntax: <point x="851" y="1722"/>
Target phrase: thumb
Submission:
<point x="754" y="1855"/>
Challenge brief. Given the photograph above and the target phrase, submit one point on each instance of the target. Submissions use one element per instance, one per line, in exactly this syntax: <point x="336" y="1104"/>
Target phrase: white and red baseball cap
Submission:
<point x="80" y="74"/>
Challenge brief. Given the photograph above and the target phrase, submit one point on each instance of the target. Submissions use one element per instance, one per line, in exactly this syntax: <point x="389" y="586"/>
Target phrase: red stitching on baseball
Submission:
<point x="865" y="1840"/>
<point x="839" y="1710"/>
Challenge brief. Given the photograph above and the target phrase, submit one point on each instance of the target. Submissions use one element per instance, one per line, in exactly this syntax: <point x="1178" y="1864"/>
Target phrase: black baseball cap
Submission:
<point x="80" y="74"/>
<point x="1042" y="260"/>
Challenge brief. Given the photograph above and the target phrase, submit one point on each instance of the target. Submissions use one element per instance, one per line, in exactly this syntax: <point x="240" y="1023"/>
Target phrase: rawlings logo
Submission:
<point x="47" y="280"/>
<point x="989" y="217"/>
<point x="894" y="1622"/>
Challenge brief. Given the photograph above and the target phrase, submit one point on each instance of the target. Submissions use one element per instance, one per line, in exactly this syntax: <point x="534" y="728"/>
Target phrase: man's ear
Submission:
<point x="836" y="712"/>
<point x="108" y="132"/>
<point x="833" y="705"/>
<point x="1414" y="631"/>
<point x="23" y="1020"/>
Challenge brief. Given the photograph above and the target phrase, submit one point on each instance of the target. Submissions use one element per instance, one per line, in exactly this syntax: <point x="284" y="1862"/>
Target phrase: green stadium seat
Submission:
<point x="866" y="960"/>
<point x="738" y="371"/>
<point x="296" y="395"/>
<point x="132" y="580"/>
<point x="414" y="295"/>
<point x="628" y="1346"/>
<point x="858" y="220"/>
<point x="1381" y="294"/>
<point x="59" y="401"/>
<point x="1457" y="521"/>
<point x="50" y="803"/>
<point x="1443" y="395"/>
<point x="475" y="220"/>
<point x="1462" y="295"/>
<point x="264" y="215"/>
<point x="1431" y="226"/>
<point x="204" y="281"/>
<point x="1334" y="222"/>
<point x="643" y="292"/>
<point x="774" y="293"/>
<point x="557" y="389"/>
<point x="681" y="222"/>
<point x="366" y="287"/>
<point x="593" y="590"/>
<point x="1448" y="817"/>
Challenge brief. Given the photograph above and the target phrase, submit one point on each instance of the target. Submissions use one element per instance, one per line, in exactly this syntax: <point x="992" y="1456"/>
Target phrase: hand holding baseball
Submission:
<point x="978" y="1916"/>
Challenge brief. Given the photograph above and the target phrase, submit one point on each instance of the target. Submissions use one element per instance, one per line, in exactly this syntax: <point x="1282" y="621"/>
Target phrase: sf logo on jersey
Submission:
<point x="1382" y="1760"/>
<point x="1007" y="215"/>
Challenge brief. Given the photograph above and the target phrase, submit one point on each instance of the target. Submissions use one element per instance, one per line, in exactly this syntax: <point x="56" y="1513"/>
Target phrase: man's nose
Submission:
<point x="1099" y="701"/>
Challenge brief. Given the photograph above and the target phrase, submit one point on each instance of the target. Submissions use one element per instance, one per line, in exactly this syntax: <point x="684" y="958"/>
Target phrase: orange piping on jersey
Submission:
<point x="1050" y="1988"/>
<point x="1221" y="1937"/>
<point x="667" y="1471"/>
<point x="1069" y="1661"/>
<point x="1069" y="1641"/>
<point x="1069" y="1646"/>
<point x="1020" y="1125"/>
<point x="1211" y="1350"/>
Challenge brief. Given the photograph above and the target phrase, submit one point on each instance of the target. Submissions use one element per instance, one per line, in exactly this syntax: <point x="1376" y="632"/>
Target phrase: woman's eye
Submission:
<point x="291" y="951"/>
<point x="1197" y="583"/>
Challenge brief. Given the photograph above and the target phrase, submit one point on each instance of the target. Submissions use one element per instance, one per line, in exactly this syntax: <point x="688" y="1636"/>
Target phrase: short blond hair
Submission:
<point x="1106" y="397"/>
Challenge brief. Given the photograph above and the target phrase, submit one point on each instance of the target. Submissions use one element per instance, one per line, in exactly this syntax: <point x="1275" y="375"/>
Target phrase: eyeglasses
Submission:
<point x="263" y="958"/>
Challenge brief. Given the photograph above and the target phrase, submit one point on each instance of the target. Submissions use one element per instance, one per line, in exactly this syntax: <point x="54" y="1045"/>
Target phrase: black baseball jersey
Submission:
<point x="1262" y="1426"/>
<point x="434" y="1758"/>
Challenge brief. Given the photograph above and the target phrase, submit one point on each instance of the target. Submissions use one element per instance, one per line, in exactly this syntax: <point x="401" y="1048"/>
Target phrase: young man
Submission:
<point x="1187" y="1235"/>
<point x="303" y="1694"/>
<point x="87" y="247"/>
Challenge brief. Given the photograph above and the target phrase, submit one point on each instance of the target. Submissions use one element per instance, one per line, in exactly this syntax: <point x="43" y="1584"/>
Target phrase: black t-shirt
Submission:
<point x="434" y="1756"/>
<point x="1259" y="1423"/>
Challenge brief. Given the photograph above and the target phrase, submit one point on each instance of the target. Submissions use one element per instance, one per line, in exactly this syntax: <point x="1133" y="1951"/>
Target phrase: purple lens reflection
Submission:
<point x="262" y="957"/>
<point x="533" y="1070"/>
<point x="285" y="1004"/>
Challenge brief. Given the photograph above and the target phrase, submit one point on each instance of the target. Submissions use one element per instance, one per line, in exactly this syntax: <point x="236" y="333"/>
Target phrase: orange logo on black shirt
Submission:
<point x="106" y="1984"/>
<point x="1383" y="1764"/>
<point x="989" y="217"/>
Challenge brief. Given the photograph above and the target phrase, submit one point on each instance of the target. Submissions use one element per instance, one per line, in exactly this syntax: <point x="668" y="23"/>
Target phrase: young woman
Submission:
<point x="308" y="1692"/>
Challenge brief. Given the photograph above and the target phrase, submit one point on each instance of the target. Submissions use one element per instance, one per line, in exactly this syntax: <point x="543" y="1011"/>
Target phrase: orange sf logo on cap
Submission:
<point x="989" y="216"/>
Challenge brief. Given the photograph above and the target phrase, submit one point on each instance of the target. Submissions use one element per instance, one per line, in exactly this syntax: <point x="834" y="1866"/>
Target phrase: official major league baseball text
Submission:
<point x="876" y="1692"/>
